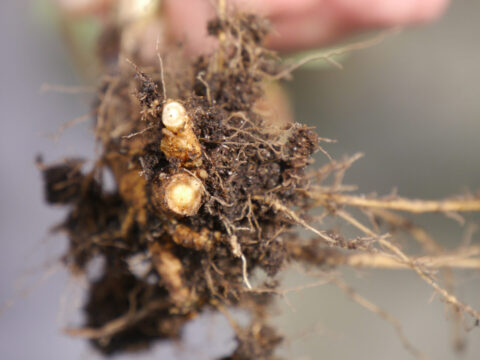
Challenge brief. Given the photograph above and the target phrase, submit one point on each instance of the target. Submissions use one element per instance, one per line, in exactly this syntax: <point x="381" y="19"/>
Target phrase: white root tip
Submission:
<point x="174" y="116"/>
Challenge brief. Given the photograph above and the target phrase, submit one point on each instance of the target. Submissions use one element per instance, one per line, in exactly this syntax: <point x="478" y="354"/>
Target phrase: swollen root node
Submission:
<point x="183" y="194"/>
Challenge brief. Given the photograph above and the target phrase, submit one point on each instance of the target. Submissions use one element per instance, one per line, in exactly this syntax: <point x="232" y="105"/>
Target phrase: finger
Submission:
<point x="300" y="24"/>
<point x="317" y="25"/>
<point x="187" y="21"/>
<point x="387" y="12"/>
<point x="273" y="8"/>
<point x="331" y="19"/>
<point x="84" y="7"/>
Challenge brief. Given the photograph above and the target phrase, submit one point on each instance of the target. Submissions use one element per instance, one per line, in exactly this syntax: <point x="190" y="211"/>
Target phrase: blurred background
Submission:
<point x="411" y="104"/>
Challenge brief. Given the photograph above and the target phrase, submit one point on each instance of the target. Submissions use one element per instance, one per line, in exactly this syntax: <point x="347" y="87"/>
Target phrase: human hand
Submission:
<point x="297" y="24"/>
<point x="301" y="24"/>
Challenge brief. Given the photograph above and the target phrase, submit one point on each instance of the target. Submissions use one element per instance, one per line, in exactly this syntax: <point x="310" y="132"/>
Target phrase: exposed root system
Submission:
<point x="208" y="190"/>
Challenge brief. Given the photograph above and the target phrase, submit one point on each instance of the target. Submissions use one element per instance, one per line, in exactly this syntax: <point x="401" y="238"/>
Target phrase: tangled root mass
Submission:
<point x="202" y="258"/>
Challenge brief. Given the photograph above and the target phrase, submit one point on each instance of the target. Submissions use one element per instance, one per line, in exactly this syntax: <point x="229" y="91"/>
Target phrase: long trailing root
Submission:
<point x="330" y="55"/>
<point x="390" y="256"/>
<point x="398" y="221"/>
<point x="385" y="261"/>
<point x="444" y="294"/>
<point x="117" y="325"/>
<point x="416" y="206"/>
<point x="464" y="258"/>
<point x="367" y="304"/>
<point x="278" y="206"/>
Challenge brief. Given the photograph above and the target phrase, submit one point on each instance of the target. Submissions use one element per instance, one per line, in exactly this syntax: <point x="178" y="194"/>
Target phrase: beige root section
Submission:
<point x="401" y="204"/>
<point x="182" y="193"/>
<point x="132" y="188"/>
<point x="179" y="141"/>
<point x="384" y="261"/>
<point x="201" y="240"/>
<point x="390" y="256"/>
<point x="119" y="324"/>
<point x="169" y="267"/>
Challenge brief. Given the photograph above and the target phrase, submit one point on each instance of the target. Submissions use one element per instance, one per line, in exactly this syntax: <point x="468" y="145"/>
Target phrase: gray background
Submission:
<point x="410" y="104"/>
